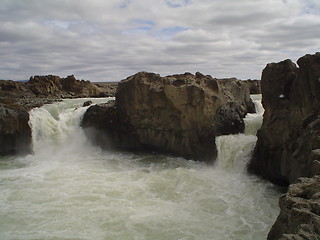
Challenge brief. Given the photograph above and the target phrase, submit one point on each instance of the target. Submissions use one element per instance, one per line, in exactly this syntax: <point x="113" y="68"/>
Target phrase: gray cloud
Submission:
<point x="110" y="40"/>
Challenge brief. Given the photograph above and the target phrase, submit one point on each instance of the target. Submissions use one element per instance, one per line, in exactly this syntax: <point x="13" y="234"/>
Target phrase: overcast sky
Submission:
<point x="108" y="40"/>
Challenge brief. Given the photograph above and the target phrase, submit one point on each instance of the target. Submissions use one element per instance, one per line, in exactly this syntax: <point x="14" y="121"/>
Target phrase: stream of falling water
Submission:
<point x="69" y="189"/>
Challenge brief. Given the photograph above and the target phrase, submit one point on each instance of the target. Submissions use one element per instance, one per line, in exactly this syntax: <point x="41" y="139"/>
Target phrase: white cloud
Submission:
<point x="110" y="40"/>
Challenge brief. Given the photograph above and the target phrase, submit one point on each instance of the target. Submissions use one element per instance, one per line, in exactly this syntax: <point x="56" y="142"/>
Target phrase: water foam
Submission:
<point x="234" y="151"/>
<point x="253" y="121"/>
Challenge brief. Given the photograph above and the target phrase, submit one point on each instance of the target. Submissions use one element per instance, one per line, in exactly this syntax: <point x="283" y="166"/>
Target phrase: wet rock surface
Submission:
<point x="179" y="114"/>
<point x="299" y="217"/>
<point x="288" y="143"/>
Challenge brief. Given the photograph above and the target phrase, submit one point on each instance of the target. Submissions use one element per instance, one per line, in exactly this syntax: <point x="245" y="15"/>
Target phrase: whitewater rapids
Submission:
<point x="69" y="189"/>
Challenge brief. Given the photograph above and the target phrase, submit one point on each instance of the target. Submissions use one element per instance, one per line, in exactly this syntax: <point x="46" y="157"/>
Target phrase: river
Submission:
<point x="70" y="190"/>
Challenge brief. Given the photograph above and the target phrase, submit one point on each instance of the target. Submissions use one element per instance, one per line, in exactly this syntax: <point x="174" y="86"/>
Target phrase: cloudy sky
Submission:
<point x="108" y="40"/>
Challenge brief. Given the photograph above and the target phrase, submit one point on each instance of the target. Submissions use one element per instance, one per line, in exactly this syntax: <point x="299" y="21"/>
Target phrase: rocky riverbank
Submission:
<point x="179" y="114"/>
<point x="299" y="217"/>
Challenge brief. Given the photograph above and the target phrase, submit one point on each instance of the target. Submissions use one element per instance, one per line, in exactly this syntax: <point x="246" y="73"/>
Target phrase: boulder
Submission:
<point x="15" y="133"/>
<point x="178" y="114"/>
<point x="288" y="141"/>
<point x="239" y="90"/>
<point x="87" y="103"/>
<point x="299" y="216"/>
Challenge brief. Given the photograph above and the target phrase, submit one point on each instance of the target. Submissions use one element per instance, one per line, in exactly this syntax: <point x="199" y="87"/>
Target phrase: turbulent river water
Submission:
<point x="69" y="189"/>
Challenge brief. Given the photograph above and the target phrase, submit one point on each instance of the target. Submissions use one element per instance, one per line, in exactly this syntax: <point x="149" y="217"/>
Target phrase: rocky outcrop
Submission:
<point x="239" y="90"/>
<point x="107" y="89"/>
<point x="179" y="114"/>
<point x="254" y="86"/>
<point x="15" y="133"/>
<point x="288" y="145"/>
<point x="299" y="217"/>
<point x="62" y="87"/>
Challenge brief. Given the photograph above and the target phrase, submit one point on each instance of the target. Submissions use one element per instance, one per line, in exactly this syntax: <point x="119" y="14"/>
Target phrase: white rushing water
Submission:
<point x="69" y="189"/>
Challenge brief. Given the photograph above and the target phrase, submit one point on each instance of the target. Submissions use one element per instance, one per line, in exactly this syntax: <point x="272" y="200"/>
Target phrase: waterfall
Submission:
<point x="56" y="128"/>
<point x="69" y="189"/>
<point x="253" y="121"/>
<point x="56" y="131"/>
<point x="234" y="151"/>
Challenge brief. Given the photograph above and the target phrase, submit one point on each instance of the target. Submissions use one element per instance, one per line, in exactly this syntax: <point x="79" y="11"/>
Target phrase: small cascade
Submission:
<point x="56" y="127"/>
<point x="51" y="133"/>
<point x="234" y="151"/>
<point x="253" y="121"/>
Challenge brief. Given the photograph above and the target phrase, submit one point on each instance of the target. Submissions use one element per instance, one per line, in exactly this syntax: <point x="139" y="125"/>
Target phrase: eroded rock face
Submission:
<point x="179" y="114"/>
<point x="300" y="212"/>
<point x="288" y="144"/>
<point x="254" y="86"/>
<point x="15" y="133"/>
<point x="62" y="87"/>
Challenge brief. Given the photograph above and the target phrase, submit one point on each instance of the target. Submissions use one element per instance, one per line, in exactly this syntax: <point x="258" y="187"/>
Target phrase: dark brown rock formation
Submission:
<point x="179" y="114"/>
<point x="87" y="103"/>
<point x="15" y="133"/>
<point x="254" y="86"/>
<point x="288" y="144"/>
<point x="240" y="90"/>
<point x="62" y="87"/>
<point x="107" y="89"/>
<point x="299" y="217"/>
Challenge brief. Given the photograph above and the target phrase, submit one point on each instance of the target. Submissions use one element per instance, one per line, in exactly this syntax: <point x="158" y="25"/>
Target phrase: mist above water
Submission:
<point x="69" y="189"/>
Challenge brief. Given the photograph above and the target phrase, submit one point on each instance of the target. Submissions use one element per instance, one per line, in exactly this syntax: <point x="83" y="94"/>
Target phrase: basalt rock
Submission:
<point x="179" y="114"/>
<point x="254" y="86"/>
<point x="87" y="103"/>
<point x="239" y="90"/>
<point x="299" y="218"/>
<point x="66" y="87"/>
<point x="15" y="133"/>
<point x="107" y="89"/>
<point x="288" y="145"/>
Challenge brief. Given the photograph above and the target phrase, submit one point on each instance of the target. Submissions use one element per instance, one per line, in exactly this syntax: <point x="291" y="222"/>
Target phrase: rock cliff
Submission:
<point x="15" y="133"/>
<point x="179" y="114"/>
<point x="288" y="145"/>
<point x="299" y="217"/>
